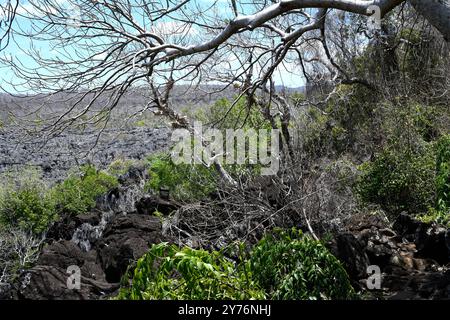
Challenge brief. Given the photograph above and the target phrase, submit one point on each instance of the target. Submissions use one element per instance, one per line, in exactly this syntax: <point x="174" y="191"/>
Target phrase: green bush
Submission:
<point x="441" y="212"/>
<point x="26" y="203"/>
<point x="291" y="266"/>
<point x="441" y="216"/>
<point x="185" y="181"/>
<point x="443" y="173"/>
<point x="121" y="166"/>
<point x="168" y="272"/>
<point x="284" y="265"/>
<point x="226" y="116"/>
<point x="398" y="180"/>
<point x="79" y="192"/>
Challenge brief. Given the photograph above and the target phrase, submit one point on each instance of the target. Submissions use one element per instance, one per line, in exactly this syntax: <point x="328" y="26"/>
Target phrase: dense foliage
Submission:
<point x="398" y="180"/>
<point x="168" y="272"/>
<point x="79" y="192"/>
<point x="28" y="203"/>
<point x="291" y="266"/>
<point x="285" y="265"/>
<point x="183" y="180"/>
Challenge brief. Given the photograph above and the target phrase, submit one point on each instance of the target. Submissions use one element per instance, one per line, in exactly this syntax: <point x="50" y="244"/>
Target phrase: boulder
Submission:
<point x="431" y="240"/>
<point x="44" y="282"/>
<point x="351" y="252"/>
<point x="150" y="203"/>
<point x="67" y="224"/>
<point x="125" y="240"/>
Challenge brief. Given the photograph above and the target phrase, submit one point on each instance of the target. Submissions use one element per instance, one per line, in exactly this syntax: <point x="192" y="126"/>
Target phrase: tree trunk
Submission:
<point x="437" y="12"/>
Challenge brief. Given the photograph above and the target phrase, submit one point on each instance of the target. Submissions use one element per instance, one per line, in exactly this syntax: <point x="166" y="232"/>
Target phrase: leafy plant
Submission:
<point x="441" y="216"/>
<point x="441" y="212"/>
<point x="168" y="272"/>
<point x="26" y="203"/>
<point x="186" y="182"/>
<point x="443" y="173"/>
<point x="79" y="192"/>
<point x="121" y="166"/>
<point x="140" y="123"/>
<point x="398" y="180"/>
<point x="284" y="265"/>
<point x="290" y="265"/>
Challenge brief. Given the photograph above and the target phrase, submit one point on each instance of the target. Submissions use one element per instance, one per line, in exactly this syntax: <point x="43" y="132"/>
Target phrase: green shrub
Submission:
<point x="226" y="116"/>
<point x="443" y="173"/>
<point x="26" y="203"/>
<point x="441" y="216"/>
<point x="441" y="212"/>
<point x="284" y="265"/>
<point x="79" y="192"/>
<point x="185" y="181"/>
<point x="168" y="272"/>
<point x="121" y="166"/>
<point x="289" y="266"/>
<point x="398" y="180"/>
<point x="140" y="123"/>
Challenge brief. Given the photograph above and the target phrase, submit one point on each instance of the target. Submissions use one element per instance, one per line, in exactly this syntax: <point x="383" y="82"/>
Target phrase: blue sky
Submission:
<point x="288" y="75"/>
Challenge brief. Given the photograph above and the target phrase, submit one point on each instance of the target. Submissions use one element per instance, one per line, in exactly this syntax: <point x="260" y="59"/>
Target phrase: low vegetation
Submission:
<point x="284" y="265"/>
<point x="28" y="203"/>
<point x="79" y="192"/>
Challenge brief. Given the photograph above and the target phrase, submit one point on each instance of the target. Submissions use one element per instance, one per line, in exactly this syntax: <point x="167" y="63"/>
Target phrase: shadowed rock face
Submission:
<point x="413" y="258"/>
<point x="125" y="239"/>
<point x="102" y="243"/>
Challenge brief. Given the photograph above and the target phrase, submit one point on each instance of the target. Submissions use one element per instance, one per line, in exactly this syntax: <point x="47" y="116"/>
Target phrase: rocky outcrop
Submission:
<point x="149" y="204"/>
<point x="126" y="238"/>
<point x="48" y="278"/>
<point x="75" y="147"/>
<point x="101" y="244"/>
<point x="413" y="257"/>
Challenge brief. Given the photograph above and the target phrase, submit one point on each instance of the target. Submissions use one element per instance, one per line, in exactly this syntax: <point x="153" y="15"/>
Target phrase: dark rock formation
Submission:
<point x="413" y="257"/>
<point x="350" y="251"/>
<point x="125" y="239"/>
<point x="431" y="240"/>
<point x="150" y="204"/>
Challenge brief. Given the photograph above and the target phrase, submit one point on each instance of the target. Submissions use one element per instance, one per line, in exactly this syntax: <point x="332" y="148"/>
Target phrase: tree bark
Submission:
<point x="437" y="12"/>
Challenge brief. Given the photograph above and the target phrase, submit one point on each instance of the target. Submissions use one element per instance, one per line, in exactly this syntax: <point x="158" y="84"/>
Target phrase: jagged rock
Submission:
<point x="412" y="258"/>
<point x="48" y="279"/>
<point x="6" y="291"/>
<point x="44" y="282"/>
<point x="125" y="239"/>
<point x="133" y="176"/>
<point x="351" y="251"/>
<point x="431" y="240"/>
<point x="406" y="226"/>
<point x="417" y="285"/>
<point x="92" y="218"/>
<point x="66" y="226"/>
<point x="149" y="204"/>
<point x="62" y="229"/>
<point x="361" y="222"/>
